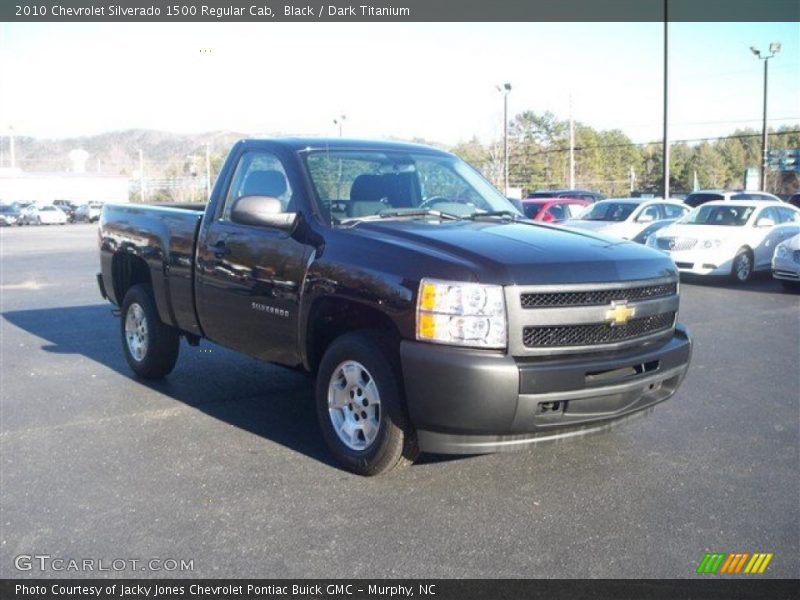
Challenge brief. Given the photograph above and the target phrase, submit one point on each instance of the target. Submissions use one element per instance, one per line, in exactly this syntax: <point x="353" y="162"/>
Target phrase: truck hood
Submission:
<point x="525" y="253"/>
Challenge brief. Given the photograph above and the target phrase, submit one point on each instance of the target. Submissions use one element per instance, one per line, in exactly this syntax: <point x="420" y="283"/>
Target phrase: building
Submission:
<point x="43" y="187"/>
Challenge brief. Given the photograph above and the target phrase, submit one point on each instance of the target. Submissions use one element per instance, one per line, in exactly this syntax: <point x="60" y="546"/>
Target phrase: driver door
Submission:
<point x="249" y="277"/>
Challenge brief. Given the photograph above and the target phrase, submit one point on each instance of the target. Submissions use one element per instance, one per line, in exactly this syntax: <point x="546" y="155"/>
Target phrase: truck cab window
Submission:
<point x="357" y="184"/>
<point x="258" y="174"/>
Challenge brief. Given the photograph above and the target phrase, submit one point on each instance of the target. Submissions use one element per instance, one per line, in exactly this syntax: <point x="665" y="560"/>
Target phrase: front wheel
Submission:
<point x="742" y="268"/>
<point x="150" y="346"/>
<point x="360" y="406"/>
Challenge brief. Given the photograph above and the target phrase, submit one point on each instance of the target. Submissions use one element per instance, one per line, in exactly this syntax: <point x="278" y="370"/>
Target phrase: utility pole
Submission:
<point x="571" y="147"/>
<point x="665" y="151"/>
<point x="505" y="89"/>
<point x="141" y="175"/>
<point x="774" y="48"/>
<point x="208" y="172"/>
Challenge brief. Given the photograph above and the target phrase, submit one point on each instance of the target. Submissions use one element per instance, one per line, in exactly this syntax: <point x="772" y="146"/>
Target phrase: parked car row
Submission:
<point x="711" y="232"/>
<point x="59" y="212"/>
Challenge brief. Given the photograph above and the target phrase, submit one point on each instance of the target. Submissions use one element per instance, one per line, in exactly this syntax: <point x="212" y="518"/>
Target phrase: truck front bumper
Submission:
<point x="464" y="401"/>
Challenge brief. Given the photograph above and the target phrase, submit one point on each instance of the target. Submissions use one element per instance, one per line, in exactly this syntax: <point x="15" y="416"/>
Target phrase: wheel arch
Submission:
<point x="127" y="270"/>
<point x="332" y="316"/>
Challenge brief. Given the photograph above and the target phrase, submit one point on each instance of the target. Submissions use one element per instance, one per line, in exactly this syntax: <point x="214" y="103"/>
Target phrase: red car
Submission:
<point x="553" y="210"/>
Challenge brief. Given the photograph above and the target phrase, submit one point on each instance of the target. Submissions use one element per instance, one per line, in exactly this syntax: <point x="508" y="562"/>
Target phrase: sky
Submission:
<point x="404" y="80"/>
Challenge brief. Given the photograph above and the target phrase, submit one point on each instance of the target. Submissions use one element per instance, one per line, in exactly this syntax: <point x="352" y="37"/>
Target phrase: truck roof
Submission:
<point x="321" y="143"/>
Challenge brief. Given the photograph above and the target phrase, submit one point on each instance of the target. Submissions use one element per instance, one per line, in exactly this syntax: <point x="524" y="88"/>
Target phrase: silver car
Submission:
<point x="786" y="263"/>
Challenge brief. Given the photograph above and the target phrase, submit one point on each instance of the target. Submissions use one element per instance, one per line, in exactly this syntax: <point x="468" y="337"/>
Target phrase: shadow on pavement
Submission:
<point x="760" y="282"/>
<point x="274" y="403"/>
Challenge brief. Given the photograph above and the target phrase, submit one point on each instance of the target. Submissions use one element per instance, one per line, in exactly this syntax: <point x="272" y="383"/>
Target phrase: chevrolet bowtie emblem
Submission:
<point x="620" y="313"/>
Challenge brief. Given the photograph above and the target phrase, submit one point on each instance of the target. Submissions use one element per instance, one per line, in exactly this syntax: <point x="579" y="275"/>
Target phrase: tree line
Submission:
<point x="610" y="162"/>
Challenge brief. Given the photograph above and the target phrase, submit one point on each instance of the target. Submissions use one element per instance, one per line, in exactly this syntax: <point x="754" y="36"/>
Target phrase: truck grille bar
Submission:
<point x="546" y="320"/>
<point x="596" y="297"/>
<point x="595" y="333"/>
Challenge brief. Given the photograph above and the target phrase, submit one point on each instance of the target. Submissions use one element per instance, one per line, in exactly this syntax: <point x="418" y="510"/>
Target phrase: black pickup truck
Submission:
<point x="434" y="316"/>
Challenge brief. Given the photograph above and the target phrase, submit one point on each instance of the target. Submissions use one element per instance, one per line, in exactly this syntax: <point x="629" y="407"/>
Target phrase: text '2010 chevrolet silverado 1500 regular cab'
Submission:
<point x="434" y="316"/>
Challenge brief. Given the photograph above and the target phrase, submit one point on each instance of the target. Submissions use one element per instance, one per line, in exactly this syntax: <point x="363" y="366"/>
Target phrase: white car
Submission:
<point x="47" y="215"/>
<point x="28" y="214"/>
<point x="786" y="263"/>
<point x="699" y="197"/>
<point x="89" y="212"/>
<point x="627" y="217"/>
<point x="732" y="238"/>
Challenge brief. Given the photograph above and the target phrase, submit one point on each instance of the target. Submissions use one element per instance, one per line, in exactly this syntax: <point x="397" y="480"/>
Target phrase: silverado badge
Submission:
<point x="620" y="312"/>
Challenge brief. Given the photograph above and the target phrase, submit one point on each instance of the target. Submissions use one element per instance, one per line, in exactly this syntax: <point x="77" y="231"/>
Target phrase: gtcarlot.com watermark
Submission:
<point x="55" y="564"/>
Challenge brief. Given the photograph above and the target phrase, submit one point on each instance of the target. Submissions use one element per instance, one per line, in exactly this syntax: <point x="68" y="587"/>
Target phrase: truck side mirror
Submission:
<point x="262" y="211"/>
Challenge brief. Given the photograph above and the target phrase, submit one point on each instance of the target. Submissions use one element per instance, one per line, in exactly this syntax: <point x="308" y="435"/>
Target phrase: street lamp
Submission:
<point x="774" y="48"/>
<point x="340" y="123"/>
<point x="505" y="89"/>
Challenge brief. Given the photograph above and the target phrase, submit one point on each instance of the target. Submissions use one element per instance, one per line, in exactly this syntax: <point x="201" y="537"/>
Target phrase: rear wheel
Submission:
<point x="742" y="268"/>
<point x="150" y="346"/>
<point x="360" y="406"/>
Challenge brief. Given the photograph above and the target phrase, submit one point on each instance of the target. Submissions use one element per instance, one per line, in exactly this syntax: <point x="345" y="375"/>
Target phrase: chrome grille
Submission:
<point x="595" y="333"/>
<point x="574" y="318"/>
<point x="674" y="243"/>
<point x="596" y="297"/>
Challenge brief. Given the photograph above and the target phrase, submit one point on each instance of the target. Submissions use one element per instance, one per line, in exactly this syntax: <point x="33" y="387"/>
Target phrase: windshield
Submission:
<point x="608" y="211"/>
<point x="354" y="185"/>
<point x="696" y="199"/>
<point x="531" y="209"/>
<point x="731" y="216"/>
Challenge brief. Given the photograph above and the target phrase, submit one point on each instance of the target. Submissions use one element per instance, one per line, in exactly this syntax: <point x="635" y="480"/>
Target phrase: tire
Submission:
<point x="791" y="286"/>
<point x="152" y="348"/>
<point x="363" y="368"/>
<point x="742" y="267"/>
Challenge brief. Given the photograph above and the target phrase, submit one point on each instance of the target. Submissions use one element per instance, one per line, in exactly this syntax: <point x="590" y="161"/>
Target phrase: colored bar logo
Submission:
<point x="734" y="563"/>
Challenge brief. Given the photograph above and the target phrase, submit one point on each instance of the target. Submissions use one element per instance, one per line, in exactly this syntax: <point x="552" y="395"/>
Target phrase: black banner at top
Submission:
<point x="397" y="10"/>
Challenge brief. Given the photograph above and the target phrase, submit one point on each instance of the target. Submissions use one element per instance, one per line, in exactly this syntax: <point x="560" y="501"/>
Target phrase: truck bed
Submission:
<point x="164" y="239"/>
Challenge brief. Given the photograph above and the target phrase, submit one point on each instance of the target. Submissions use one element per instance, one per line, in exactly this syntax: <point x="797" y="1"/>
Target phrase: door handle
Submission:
<point x="220" y="249"/>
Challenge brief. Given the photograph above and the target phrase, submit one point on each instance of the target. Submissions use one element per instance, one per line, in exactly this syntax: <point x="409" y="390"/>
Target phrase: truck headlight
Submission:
<point x="782" y="251"/>
<point x="712" y="243"/>
<point x="462" y="314"/>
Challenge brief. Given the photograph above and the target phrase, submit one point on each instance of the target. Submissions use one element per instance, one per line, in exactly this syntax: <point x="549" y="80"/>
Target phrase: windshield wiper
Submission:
<point x="402" y="214"/>
<point x="496" y="213"/>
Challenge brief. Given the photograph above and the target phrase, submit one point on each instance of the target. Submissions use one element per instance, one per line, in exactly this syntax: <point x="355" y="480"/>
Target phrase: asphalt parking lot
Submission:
<point x="222" y="463"/>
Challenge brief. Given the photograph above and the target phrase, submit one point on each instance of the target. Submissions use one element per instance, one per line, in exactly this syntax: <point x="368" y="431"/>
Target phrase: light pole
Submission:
<point x="571" y="147"/>
<point x="340" y="123"/>
<point x="208" y="172"/>
<point x="141" y="175"/>
<point x="774" y="48"/>
<point x="505" y="89"/>
<point x="665" y="141"/>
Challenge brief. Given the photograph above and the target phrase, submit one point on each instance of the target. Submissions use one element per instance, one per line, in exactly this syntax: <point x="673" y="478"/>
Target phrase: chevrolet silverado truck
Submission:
<point x="434" y="316"/>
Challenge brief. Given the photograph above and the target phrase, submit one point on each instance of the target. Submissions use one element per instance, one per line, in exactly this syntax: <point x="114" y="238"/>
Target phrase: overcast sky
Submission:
<point x="434" y="81"/>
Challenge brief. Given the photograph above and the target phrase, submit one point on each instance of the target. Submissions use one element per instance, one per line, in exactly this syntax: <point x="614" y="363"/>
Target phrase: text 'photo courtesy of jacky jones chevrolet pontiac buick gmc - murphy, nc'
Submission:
<point x="434" y="316"/>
